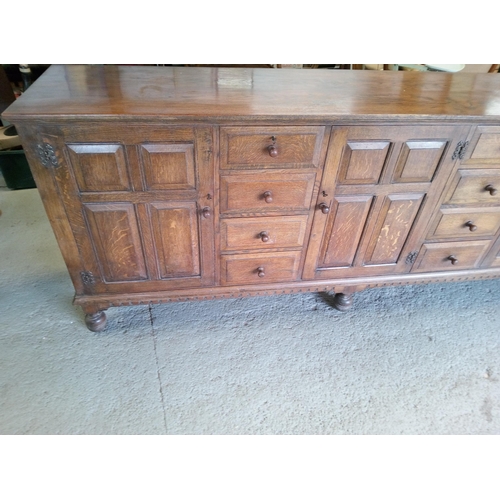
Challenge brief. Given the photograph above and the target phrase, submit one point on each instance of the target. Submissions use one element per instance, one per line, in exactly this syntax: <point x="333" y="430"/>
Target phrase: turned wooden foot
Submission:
<point x="342" y="301"/>
<point x="96" y="322"/>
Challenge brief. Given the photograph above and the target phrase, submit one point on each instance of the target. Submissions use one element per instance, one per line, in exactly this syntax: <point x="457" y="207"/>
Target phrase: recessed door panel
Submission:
<point x="393" y="224"/>
<point x="362" y="161"/>
<point x="99" y="167"/>
<point x="176" y="237"/>
<point x="348" y="220"/>
<point x="168" y="166"/>
<point x="116" y="240"/>
<point x="418" y="161"/>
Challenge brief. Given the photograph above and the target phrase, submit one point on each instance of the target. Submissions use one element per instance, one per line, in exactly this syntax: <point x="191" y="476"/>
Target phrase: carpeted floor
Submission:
<point x="403" y="360"/>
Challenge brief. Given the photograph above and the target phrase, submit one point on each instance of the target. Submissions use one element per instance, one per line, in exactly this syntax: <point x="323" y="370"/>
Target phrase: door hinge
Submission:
<point x="47" y="155"/>
<point x="412" y="257"/>
<point x="87" y="278"/>
<point x="460" y="150"/>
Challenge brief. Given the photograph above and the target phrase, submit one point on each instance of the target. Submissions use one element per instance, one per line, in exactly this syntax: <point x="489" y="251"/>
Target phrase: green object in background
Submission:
<point x="15" y="170"/>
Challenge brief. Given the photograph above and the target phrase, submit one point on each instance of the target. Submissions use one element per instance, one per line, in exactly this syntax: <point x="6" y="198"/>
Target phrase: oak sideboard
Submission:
<point x="180" y="183"/>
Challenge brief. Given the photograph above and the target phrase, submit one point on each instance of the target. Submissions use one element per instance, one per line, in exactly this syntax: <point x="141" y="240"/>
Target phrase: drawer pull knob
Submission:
<point x="206" y="212"/>
<point x="491" y="189"/>
<point x="272" y="149"/>
<point x="268" y="197"/>
<point x="260" y="272"/>
<point x="472" y="227"/>
<point x="264" y="236"/>
<point x="453" y="260"/>
<point x="324" y="208"/>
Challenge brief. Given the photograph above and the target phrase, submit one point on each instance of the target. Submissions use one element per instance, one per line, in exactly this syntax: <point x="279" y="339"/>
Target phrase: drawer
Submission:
<point x="484" y="147"/>
<point x="256" y="233"/>
<point x="450" y="256"/>
<point x="259" y="268"/>
<point x="480" y="186"/>
<point x="250" y="147"/>
<point x="266" y="192"/>
<point x="466" y="223"/>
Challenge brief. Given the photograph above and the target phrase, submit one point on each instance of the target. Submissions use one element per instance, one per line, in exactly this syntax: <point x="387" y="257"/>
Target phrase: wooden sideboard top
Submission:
<point x="242" y="94"/>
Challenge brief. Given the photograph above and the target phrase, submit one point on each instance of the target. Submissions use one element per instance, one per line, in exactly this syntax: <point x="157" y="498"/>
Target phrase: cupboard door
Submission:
<point x="379" y="188"/>
<point x="139" y="200"/>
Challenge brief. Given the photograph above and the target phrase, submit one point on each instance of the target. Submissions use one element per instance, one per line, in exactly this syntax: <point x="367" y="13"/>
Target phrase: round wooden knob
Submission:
<point x="453" y="259"/>
<point x="471" y="225"/>
<point x="264" y="236"/>
<point x="260" y="272"/>
<point x="268" y="196"/>
<point x="491" y="189"/>
<point x="273" y="150"/>
<point x="324" y="208"/>
<point x="206" y="212"/>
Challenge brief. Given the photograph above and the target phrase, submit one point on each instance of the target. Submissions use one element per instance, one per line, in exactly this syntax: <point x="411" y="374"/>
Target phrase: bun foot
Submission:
<point x="96" y="322"/>
<point x="342" y="301"/>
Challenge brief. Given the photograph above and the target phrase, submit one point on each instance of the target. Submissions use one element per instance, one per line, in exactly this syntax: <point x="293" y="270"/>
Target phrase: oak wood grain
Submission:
<point x="266" y="192"/>
<point x="457" y="223"/>
<point x="247" y="233"/>
<point x="293" y="147"/>
<point x="261" y="267"/>
<point x="244" y="94"/>
<point x="440" y="256"/>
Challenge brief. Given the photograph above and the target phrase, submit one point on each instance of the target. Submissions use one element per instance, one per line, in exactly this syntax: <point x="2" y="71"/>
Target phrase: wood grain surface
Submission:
<point x="246" y="94"/>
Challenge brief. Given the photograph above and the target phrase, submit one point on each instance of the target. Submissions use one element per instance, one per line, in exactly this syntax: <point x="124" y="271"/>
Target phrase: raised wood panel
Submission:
<point x="469" y="187"/>
<point x="393" y="224"/>
<point x="244" y="269"/>
<point x="363" y="161"/>
<point x="457" y="223"/>
<point x="99" y="167"/>
<point x="176" y="237"/>
<point x="117" y="243"/>
<point x="438" y="256"/>
<point x="247" y="233"/>
<point x="344" y="230"/>
<point x="246" y="193"/>
<point x="248" y="147"/>
<point x="419" y="160"/>
<point x="168" y="166"/>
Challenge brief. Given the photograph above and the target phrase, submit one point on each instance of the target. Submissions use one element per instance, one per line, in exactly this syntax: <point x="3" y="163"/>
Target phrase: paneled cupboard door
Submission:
<point x="139" y="200"/>
<point x="379" y="187"/>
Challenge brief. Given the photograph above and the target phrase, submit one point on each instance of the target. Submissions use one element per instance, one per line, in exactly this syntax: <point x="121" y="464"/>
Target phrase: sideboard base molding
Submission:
<point x="94" y="304"/>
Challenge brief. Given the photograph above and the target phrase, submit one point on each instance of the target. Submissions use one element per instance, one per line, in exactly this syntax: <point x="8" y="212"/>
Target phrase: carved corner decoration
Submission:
<point x="412" y="257"/>
<point x="87" y="278"/>
<point x="460" y="150"/>
<point x="47" y="155"/>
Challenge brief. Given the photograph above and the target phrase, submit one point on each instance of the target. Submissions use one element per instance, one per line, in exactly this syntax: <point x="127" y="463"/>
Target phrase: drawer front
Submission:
<point x="476" y="187"/>
<point x="259" y="268"/>
<point x="484" y="147"/>
<point x="250" y="147"/>
<point x="451" y="256"/>
<point x="466" y="223"/>
<point x="262" y="232"/>
<point x="487" y="146"/>
<point x="266" y="192"/>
